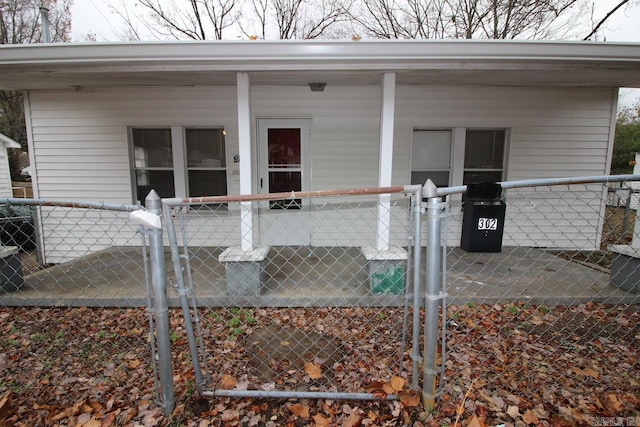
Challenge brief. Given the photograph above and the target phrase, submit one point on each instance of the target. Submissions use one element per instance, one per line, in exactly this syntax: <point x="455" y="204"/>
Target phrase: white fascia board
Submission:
<point x="9" y="142"/>
<point x="295" y="55"/>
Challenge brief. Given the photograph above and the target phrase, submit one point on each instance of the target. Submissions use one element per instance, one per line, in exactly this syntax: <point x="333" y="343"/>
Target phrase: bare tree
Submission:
<point x="401" y="19"/>
<point x="190" y="19"/>
<point x="600" y="23"/>
<point x="295" y="19"/>
<point x="20" y="21"/>
<point x="20" y="24"/>
<point x="487" y="19"/>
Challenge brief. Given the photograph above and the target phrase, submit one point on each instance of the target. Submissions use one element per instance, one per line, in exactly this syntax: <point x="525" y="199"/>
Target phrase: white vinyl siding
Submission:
<point x="5" y="173"/>
<point x="80" y="144"/>
<point x="554" y="132"/>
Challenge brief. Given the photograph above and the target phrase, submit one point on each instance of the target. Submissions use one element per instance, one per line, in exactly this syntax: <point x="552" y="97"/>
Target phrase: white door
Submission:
<point x="283" y="166"/>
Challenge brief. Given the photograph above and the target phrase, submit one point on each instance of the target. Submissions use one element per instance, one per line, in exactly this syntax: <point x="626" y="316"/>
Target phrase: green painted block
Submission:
<point x="386" y="277"/>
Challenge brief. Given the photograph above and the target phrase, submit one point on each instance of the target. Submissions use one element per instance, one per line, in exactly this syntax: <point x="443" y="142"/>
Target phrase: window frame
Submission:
<point x="458" y="147"/>
<point x="180" y="166"/>
<point x="505" y="151"/>
<point x="449" y="170"/>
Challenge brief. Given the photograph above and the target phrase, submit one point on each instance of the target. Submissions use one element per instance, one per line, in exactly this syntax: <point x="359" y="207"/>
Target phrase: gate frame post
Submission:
<point x="161" y="306"/>
<point x="432" y="296"/>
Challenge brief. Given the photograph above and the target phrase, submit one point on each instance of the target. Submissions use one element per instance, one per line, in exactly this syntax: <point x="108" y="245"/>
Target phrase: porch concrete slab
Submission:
<point x="305" y="276"/>
<point x="535" y="276"/>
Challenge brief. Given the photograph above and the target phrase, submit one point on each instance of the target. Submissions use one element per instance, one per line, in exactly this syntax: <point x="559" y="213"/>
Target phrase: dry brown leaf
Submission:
<point x="354" y="420"/>
<point x="6" y="406"/>
<point x="230" y="415"/>
<point x="299" y="410"/>
<point x="611" y="402"/>
<point x="387" y="388"/>
<point x="374" y="386"/>
<point x="474" y="421"/>
<point x="586" y="372"/>
<point x="530" y="418"/>
<point x="227" y="382"/>
<point x="448" y="410"/>
<point x="380" y="394"/>
<point x="513" y="411"/>
<point x="397" y="383"/>
<point x="312" y="370"/>
<point x="133" y="364"/>
<point x="108" y="420"/>
<point x="409" y="398"/>
<point x="92" y="423"/>
<point x="321" y="421"/>
<point x="95" y="406"/>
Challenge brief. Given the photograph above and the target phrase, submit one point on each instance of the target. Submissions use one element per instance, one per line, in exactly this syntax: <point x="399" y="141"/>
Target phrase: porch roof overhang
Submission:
<point x="203" y="63"/>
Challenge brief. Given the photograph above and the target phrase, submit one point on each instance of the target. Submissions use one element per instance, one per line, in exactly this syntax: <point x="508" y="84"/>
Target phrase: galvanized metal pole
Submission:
<point x="417" y="282"/>
<point x="432" y="298"/>
<point x="184" y="299"/>
<point x="161" y="310"/>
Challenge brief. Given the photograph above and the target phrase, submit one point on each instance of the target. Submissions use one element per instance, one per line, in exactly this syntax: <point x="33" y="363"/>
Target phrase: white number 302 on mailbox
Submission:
<point x="488" y="224"/>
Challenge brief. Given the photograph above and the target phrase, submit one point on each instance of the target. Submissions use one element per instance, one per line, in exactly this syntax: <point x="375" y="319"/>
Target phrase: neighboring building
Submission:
<point x="5" y="170"/>
<point x="111" y="121"/>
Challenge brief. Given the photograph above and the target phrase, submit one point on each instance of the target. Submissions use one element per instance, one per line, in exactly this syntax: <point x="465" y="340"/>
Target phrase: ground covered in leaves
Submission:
<point x="510" y="364"/>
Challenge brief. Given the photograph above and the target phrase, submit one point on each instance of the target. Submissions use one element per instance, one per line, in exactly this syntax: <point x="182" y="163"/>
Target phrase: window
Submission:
<point x="431" y="157"/>
<point x="484" y="155"/>
<point x="458" y="156"/>
<point x="153" y="159"/>
<point x="206" y="162"/>
<point x="179" y="161"/>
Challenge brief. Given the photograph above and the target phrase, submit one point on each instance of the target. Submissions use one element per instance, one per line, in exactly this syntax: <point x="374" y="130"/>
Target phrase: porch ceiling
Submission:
<point x="69" y="66"/>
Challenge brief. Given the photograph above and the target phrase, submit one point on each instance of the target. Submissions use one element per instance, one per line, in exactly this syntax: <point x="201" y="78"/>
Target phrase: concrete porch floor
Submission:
<point x="305" y="276"/>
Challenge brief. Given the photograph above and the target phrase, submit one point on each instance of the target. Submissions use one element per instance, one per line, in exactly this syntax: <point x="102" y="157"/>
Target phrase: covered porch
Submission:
<point x="319" y="276"/>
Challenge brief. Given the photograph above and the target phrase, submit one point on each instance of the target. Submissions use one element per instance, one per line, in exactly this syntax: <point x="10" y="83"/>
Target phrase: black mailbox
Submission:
<point x="483" y="218"/>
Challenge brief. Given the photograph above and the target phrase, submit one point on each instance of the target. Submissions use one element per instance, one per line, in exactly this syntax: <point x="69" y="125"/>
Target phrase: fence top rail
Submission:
<point x="599" y="179"/>
<point x="177" y="201"/>
<point x="70" y="204"/>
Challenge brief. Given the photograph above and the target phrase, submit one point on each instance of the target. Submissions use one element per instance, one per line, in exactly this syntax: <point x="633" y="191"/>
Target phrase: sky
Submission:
<point x="95" y="16"/>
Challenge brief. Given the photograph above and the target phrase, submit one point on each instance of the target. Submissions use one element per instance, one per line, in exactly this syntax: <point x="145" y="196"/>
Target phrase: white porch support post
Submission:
<point x="385" y="164"/>
<point x="244" y="143"/>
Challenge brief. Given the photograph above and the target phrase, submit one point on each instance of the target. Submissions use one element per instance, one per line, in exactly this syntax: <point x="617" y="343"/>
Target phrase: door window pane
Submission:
<point x="284" y="182"/>
<point x="284" y="148"/>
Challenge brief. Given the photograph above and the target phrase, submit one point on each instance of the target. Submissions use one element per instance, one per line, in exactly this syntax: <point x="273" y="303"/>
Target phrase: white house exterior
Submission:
<point x="5" y="171"/>
<point x="390" y="112"/>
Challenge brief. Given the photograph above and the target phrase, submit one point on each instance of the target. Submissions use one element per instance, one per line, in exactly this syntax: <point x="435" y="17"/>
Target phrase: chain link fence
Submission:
<point x="303" y="296"/>
<point x="330" y="295"/>
<point x="74" y="326"/>
<point x="543" y="329"/>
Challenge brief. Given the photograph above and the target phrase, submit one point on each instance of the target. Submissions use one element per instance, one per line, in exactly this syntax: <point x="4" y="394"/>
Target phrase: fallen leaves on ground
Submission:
<point x="516" y="365"/>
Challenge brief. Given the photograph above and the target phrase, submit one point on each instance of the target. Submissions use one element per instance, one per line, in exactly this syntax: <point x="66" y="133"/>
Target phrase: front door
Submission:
<point x="283" y="158"/>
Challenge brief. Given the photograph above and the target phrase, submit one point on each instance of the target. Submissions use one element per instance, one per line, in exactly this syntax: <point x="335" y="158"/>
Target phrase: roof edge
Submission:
<point x="314" y="50"/>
